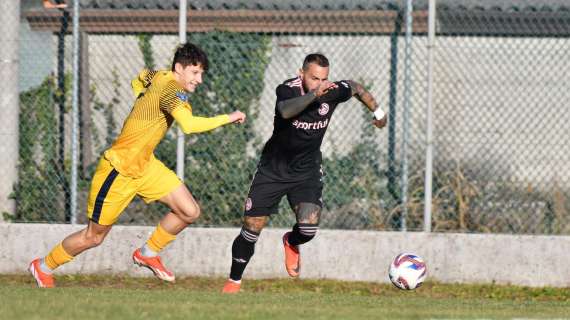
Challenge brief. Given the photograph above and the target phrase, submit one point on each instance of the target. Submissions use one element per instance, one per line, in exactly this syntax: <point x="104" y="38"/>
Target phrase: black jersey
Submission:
<point x="293" y="151"/>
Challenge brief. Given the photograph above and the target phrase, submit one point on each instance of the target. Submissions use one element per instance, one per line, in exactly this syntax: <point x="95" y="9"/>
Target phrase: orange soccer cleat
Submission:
<point x="292" y="257"/>
<point x="154" y="264"/>
<point x="43" y="279"/>
<point x="231" y="286"/>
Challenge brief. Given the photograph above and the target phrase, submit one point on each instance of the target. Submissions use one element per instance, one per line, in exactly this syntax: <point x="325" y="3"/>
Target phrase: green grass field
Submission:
<point x="90" y="297"/>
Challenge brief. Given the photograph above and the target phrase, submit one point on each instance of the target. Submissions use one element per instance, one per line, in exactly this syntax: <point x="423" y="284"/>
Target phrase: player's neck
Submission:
<point x="178" y="80"/>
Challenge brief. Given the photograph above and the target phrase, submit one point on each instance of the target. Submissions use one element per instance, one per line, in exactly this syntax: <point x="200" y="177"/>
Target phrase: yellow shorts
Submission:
<point x="111" y="192"/>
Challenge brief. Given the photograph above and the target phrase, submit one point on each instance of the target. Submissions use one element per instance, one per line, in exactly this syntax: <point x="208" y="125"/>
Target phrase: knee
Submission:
<point x="190" y="213"/>
<point x="308" y="213"/>
<point x="93" y="239"/>
<point x="255" y="224"/>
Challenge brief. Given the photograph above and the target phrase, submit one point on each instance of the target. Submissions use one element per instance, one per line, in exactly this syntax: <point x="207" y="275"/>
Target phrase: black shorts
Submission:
<point x="265" y="193"/>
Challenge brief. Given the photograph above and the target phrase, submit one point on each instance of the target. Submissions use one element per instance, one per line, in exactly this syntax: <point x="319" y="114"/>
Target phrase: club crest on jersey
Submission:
<point x="182" y="96"/>
<point x="324" y="109"/>
<point x="248" y="204"/>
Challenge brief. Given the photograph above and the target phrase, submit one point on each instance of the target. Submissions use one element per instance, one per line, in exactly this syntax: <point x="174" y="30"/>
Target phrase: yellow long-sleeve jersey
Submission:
<point x="160" y="101"/>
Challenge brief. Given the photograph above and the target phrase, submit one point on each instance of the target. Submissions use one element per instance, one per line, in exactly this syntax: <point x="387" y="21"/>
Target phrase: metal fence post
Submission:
<point x="75" y="113"/>
<point x="406" y="114"/>
<point x="179" y="134"/>
<point x="429" y="116"/>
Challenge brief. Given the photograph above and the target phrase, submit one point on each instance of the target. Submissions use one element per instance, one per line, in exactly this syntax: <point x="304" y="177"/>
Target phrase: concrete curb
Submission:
<point x="333" y="254"/>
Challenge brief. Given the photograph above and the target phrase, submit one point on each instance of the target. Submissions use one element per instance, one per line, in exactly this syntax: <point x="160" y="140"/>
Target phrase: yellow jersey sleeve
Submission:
<point x="142" y="81"/>
<point x="174" y="101"/>
<point x="191" y="124"/>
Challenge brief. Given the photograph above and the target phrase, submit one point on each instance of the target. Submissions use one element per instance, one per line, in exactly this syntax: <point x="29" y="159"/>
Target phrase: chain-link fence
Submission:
<point x="499" y="123"/>
<point x="500" y="120"/>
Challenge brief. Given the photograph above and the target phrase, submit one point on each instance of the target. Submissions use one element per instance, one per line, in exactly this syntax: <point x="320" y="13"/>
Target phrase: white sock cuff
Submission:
<point x="44" y="267"/>
<point x="146" y="251"/>
<point x="249" y="235"/>
<point x="308" y="230"/>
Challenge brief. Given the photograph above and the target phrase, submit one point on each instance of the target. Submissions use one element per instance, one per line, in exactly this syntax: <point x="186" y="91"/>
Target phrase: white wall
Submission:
<point x="333" y="254"/>
<point x="9" y="102"/>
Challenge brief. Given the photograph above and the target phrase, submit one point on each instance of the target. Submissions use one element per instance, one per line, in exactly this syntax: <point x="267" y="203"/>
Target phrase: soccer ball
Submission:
<point x="408" y="271"/>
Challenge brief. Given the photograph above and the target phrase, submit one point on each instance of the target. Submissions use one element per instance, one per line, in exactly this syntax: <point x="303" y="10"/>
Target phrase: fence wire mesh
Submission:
<point x="501" y="163"/>
<point x="501" y="155"/>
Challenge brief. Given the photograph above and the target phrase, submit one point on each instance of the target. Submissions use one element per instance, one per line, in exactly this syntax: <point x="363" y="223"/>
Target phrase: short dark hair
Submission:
<point x="317" y="58"/>
<point x="190" y="54"/>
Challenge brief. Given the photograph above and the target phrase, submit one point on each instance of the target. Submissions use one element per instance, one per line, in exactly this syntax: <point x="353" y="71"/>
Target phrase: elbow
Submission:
<point x="284" y="114"/>
<point x="357" y="89"/>
<point x="185" y="129"/>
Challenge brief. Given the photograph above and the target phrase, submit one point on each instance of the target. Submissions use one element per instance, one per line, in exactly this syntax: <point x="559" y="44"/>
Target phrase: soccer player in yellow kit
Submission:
<point x="129" y="167"/>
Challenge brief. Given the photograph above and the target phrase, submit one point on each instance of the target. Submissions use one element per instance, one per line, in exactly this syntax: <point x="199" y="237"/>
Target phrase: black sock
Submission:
<point x="302" y="233"/>
<point x="242" y="250"/>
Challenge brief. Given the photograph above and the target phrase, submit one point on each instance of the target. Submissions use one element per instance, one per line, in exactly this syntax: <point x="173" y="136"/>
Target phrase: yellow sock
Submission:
<point x="57" y="257"/>
<point x="159" y="239"/>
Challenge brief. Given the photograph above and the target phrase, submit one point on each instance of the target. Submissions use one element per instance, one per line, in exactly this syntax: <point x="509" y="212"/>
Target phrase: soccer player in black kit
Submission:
<point x="290" y="163"/>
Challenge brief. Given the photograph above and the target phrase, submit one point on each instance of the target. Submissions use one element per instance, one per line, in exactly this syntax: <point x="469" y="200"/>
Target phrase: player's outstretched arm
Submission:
<point x="174" y="101"/>
<point x="192" y="124"/>
<point x="50" y="5"/>
<point x="292" y="107"/>
<point x="360" y="93"/>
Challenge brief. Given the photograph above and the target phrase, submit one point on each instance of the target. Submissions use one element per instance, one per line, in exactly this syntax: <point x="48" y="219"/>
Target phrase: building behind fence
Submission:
<point x="501" y="161"/>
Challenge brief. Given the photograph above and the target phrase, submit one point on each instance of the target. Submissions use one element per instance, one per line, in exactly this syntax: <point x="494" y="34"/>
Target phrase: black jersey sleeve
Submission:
<point x="340" y="94"/>
<point x="284" y="92"/>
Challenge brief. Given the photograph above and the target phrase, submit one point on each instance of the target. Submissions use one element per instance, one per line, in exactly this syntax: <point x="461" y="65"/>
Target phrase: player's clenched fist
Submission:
<point x="325" y="87"/>
<point x="237" y="117"/>
<point x="380" y="123"/>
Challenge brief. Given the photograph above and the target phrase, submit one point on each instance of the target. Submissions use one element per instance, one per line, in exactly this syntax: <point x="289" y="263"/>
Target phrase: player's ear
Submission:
<point x="300" y="73"/>
<point x="178" y="67"/>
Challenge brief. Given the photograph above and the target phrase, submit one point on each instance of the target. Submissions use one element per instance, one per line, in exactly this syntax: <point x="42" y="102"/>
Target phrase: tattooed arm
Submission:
<point x="292" y="107"/>
<point x="360" y="93"/>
